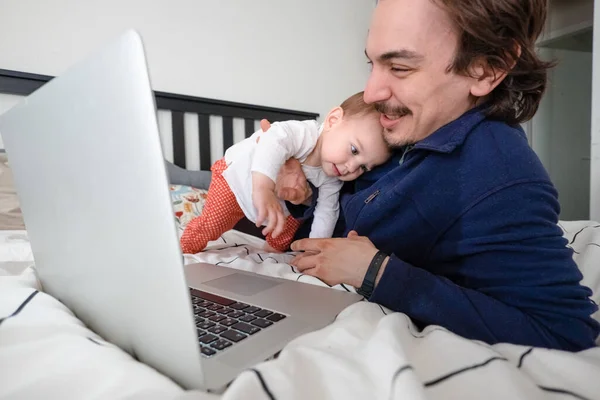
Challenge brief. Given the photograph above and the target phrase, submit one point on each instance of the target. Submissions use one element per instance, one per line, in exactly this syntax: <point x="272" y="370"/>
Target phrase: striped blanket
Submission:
<point x="369" y="352"/>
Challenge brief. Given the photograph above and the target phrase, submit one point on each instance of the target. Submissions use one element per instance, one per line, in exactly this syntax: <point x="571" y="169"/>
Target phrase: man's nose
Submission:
<point x="378" y="87"/>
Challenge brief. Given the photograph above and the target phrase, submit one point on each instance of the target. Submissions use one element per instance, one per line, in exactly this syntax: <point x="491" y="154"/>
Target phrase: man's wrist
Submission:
<point x="380" y="272"/>
<point x="370" y="279"/>
<point x="308" y="201"/>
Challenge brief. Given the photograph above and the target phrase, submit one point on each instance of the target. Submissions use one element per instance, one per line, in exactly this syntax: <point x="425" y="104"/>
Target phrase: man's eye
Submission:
<point x="399" y="69"/>
<point x="353" y="150"/>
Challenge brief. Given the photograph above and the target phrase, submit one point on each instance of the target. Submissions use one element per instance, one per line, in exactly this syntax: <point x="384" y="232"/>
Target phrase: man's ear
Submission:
<point x="334" y="117"/>
<point x="487" y="78"/>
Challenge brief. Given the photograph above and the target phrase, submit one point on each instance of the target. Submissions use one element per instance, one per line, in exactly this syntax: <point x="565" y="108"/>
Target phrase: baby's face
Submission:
<point x="353" y="147"/>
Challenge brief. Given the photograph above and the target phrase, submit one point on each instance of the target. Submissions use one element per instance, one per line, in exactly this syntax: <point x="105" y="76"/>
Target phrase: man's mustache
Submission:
<point x="395" y="111"/>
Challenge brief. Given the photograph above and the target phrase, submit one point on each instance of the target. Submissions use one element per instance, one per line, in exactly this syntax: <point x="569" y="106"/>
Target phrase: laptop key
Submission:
<point x="206" y="314"/>
<point x="228" y="322"/>
<point x="207" y="351"/>
<point x="213" y="297"/>
<point x="262" y="323"/>
<point x="248" y="318"/>
<point x="220" y="344"/>
<point x="200" y="332"/>
<point x="217" y="329"/>
<point x="217" y="318"/>
<point x="240" y="326"/>
<point x="225" y="311"/>
<point x="239" y="306"/>
<point x="198" y="319"/>
<point x="251" y="310"/>
<point x="276" y="317"/>
<point x="263" y="313"/>
<point x="233" y="336"/>
<point x="206" y="339"/>
<point x="206" y="325"/>
<point x="235" y="314"/>
<point x="215" y="307"/>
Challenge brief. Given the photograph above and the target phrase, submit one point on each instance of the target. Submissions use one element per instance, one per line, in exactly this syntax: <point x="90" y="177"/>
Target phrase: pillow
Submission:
<point x="187" y="202"/>
<point x="11" y="217"/>
<point x="180" y="176"/>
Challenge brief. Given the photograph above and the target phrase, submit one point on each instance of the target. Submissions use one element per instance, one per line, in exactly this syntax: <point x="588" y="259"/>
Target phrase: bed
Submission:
<point x="367" y="352"/>
<point x="194" y="130"/>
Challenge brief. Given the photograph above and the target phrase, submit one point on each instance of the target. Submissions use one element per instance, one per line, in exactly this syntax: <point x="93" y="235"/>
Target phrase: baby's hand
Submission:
<point x="267" y="205"/>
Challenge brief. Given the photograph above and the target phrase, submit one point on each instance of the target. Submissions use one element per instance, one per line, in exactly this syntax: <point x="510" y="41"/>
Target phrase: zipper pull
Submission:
<point x="372" y="196"/>
<point x="406" y="150"/>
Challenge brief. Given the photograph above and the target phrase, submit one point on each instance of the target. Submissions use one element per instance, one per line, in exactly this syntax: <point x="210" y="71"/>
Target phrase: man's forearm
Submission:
<point x="431" y="299"/>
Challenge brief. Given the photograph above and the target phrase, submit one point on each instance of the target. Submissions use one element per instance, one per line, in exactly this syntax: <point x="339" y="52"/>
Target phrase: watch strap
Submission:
<point x="368" y="283"/>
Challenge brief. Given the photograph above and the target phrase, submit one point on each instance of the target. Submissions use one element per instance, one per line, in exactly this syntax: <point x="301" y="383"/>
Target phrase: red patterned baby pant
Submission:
<point x="220" y="213"/>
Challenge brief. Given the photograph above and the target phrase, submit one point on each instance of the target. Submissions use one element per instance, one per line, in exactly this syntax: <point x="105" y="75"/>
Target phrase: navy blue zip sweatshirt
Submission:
<point x="469" y="217"/>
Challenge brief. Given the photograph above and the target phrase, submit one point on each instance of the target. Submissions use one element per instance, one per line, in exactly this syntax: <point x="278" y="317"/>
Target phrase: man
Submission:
<point x="459" y="229"/>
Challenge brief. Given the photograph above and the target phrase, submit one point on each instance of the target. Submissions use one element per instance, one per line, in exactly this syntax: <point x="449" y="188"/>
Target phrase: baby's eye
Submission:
<point x="353" y="150"/>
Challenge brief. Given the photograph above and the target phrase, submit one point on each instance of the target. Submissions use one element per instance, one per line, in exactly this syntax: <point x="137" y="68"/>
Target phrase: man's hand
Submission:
<point x="267" y="205"/>
<point x="291" y="184"/>
<point x="337" y="260"/>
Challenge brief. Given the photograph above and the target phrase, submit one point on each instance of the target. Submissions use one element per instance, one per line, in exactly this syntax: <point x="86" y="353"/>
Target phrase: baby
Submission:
<point x="348" y="143"/>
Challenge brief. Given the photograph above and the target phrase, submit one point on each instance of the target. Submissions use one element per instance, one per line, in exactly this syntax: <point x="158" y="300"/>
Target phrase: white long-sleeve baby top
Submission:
<point x="282" y="141"/>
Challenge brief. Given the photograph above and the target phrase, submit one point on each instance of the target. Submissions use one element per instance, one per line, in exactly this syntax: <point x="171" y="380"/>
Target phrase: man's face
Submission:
<point x="411" y="45"/>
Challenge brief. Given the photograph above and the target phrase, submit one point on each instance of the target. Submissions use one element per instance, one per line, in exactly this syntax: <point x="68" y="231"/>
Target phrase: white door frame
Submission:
<point x="595" y="134"/>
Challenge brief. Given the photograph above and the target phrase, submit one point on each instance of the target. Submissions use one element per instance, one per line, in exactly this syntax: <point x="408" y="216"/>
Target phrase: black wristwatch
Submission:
<point x="368" y="283"/>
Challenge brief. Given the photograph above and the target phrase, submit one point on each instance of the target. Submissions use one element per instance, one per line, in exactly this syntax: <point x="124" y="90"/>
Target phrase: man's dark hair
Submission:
<point x="503" y="33"/>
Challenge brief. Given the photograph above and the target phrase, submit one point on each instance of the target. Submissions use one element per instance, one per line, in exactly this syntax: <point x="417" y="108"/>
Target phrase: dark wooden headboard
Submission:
<point x="23" y="84"/>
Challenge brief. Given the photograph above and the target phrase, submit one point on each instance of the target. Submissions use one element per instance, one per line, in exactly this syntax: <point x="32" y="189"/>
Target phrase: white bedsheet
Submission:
<point x="368" y="352"/>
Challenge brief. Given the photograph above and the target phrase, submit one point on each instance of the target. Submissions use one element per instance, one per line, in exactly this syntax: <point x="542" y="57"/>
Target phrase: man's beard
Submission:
<point x="393" y="111"/>
<point x="395" y="143"/>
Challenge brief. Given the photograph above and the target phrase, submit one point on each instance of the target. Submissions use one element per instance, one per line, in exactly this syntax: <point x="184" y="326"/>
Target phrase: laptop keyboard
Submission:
<point x="221" y="322"/>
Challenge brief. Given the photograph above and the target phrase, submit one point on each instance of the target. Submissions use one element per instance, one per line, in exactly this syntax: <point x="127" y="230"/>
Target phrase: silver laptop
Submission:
<point x="90" y="174"/>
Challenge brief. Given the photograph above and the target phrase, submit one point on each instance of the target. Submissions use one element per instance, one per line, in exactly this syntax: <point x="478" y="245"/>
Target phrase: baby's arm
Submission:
<point x="282" y="141"/>
<point x="267" y="205"/>
<point x="327" y="210"/>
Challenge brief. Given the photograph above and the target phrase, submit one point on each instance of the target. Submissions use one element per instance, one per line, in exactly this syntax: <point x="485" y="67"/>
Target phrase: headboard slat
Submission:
<point x="248" y="127"/>
<point x="178" y="138"/>
<point x="204" y="131"/>
<point x="227" y="132"/>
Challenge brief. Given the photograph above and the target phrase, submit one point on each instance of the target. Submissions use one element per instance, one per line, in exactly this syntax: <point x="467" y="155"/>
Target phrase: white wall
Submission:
<point x="595" y="139"/>
<point x="540" y="131"/>
<point x="561" y="130"/>
<point x="299" y="54"/>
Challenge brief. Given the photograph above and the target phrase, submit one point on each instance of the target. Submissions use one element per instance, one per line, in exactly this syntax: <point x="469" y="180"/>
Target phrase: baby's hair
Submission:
<point x="355" y="106"/>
